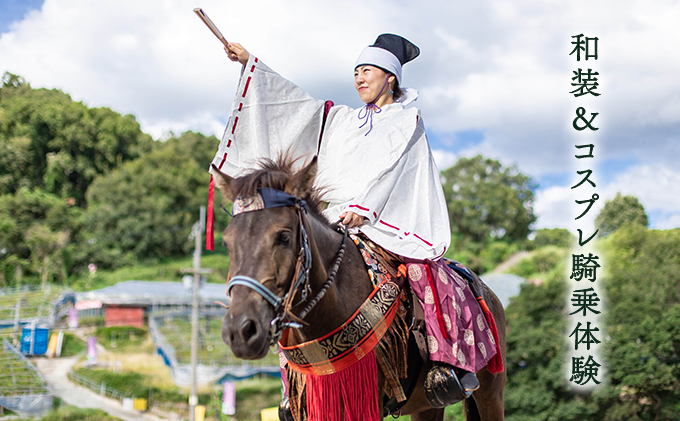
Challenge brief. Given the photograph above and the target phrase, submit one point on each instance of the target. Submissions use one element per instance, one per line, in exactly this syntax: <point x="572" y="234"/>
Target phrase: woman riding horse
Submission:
<point x="380" y="178"/>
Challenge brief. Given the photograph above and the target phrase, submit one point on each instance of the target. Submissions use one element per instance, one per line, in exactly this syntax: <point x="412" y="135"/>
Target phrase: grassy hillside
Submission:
<point x="164" y="270"/>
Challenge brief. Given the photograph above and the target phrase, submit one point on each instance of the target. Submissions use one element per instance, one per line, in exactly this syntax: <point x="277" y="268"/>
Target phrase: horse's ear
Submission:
<point x="303" y="180"/>
<point x="223" y="182"/>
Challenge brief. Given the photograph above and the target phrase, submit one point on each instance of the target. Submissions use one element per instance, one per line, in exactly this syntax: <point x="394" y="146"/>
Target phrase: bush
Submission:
<point x="559" y="237"/>
<point x="72" y="345"/>
<point x="72" y="413"/>
<point x="138" y="385"/>
<point x="540" y="262"/>
<point x="92" y="321"/>
<point x="496" y="253"/>
<point x="120" y="337"/>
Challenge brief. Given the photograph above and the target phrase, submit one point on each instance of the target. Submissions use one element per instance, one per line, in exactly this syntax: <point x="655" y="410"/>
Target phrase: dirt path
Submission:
<point x="55" y="371"/>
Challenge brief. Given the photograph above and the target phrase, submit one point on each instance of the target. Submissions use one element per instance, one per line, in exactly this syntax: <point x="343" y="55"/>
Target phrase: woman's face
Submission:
<point x="369" y="80"/>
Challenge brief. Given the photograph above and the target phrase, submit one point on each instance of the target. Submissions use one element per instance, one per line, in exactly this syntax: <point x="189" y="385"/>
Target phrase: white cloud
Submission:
<point x="671" y="222"/>
<point x="495" y="66"/>
<point x="444" y="158"/>
<point x="657" y="187"/>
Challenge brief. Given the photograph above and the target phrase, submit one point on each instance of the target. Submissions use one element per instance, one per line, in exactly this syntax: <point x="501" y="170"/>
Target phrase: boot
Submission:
<point x="285" y="413"/>
<point x="446" y="385"/>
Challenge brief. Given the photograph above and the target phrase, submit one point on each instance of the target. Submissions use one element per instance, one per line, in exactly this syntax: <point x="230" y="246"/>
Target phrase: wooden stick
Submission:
<point x="201" y="14"/>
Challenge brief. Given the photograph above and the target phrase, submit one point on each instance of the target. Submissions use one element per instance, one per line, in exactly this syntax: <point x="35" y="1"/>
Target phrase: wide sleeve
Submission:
<point x="269" y="116"/>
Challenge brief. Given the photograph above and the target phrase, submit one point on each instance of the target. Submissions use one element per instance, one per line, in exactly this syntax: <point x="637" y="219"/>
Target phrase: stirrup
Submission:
<point x="285" y="413"/>
<point x="446" y="385"/>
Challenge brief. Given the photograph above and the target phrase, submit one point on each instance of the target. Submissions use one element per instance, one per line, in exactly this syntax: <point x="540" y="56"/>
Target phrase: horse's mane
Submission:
<point x="275" y="173"/>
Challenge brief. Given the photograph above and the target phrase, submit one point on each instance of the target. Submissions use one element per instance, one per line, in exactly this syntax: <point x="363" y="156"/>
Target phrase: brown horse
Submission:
<point x="264" y="246"/>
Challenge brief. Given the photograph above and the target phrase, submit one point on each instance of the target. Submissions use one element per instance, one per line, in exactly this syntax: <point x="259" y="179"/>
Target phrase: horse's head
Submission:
<point x="263" y="247"/>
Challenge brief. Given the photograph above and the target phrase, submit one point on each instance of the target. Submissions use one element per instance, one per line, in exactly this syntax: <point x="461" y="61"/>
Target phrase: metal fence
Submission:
<point x="28" y="404"/>
<point x="32" y="304"/>
<point x="211" y="372"/>
<point x="26" y="400"/>
<point x="100" y="388"/>
<point x="174" y="411"/>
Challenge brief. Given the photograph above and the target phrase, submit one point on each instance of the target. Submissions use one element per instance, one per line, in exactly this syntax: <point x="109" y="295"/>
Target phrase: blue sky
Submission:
<point x="15" y="10"/>
<point x="494" y="77"/>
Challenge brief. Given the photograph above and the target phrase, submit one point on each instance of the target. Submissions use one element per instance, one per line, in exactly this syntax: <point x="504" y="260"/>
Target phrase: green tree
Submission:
<point x="35" y="232"/>
<point x="641" y="331"/>
<point x="145" y="209"/>
<point x="618" y="212"/>
<point x="643" y="320"/>
<point x="488" y="201"/>
<point x="49" y="141"/>
<point x="559" y="237"/>
<point x="10" y="80"/>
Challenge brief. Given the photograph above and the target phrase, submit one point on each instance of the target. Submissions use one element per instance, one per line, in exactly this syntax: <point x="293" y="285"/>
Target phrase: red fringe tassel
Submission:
<point x="495" y="364"/>
<point x="209" y="234"/>
<point x="354" y="389"/>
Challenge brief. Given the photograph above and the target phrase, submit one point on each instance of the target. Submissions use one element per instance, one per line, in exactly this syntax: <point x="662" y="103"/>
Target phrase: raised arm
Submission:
<point x="236" y="52"/>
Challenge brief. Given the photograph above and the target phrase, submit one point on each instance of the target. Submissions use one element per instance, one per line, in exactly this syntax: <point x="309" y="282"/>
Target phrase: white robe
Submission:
<point x="388" y="176"/>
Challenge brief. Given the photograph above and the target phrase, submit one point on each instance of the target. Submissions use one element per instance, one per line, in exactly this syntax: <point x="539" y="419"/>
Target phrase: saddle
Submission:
<point x="403" y="351"/>
<point x="399" y="388"/>
<point x="417" y="348"/>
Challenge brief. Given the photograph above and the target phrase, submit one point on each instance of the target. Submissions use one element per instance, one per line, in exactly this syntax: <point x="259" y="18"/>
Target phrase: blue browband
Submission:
<point x="274" y="198"/>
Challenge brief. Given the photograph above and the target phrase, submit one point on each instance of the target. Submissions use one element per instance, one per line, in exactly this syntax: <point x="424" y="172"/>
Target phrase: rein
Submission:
<point x="283" y="306"/>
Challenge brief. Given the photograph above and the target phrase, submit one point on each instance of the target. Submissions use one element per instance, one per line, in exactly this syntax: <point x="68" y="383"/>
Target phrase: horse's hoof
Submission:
<point x="285" y="413"/>
<point x="443" y="388"/>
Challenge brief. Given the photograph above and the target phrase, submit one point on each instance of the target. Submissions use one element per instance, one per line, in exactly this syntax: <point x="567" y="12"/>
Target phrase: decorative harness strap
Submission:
<point x="351" y="341"/>
<point x="358" y="335"/>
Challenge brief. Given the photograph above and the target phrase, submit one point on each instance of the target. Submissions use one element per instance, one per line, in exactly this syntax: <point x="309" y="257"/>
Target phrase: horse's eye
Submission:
<point x="283" y="238"/>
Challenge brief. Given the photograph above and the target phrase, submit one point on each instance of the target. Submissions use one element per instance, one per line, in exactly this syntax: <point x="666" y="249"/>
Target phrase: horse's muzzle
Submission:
<point x="247" y="337"/>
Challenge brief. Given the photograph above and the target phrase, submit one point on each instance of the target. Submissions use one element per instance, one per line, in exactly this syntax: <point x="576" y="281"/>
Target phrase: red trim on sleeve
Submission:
<point x="360" y="207"/>
<point x="391" y="226"/>
<point x="246" y="88"/>
<point x="255" y="59"/>
<point x="234" y="126"/>
<point x="240" y="107"/>
<point x="252" y="69"/>
<point x="229" y="143"/>
<point x="428" y="243"/>
<point x="375" y="215"/>
<point x="224" y="158"/>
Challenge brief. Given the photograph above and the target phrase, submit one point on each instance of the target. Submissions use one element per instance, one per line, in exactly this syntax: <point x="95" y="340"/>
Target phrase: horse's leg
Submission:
<point x="488" y="399"/>
<point x="429" y="415"/>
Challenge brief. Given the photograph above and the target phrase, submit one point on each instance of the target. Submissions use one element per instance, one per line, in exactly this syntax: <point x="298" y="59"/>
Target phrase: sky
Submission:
<point x="494" y="77"/>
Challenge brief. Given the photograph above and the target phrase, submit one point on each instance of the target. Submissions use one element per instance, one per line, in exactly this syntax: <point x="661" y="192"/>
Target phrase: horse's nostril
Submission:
<point x="248" y="330"/>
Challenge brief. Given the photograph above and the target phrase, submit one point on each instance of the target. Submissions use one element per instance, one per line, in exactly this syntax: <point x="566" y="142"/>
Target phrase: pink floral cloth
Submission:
<point x="470" y="343"/>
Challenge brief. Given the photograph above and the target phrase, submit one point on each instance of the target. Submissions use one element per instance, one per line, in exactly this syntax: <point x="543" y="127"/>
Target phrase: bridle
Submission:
<point x="283" y="306"/>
